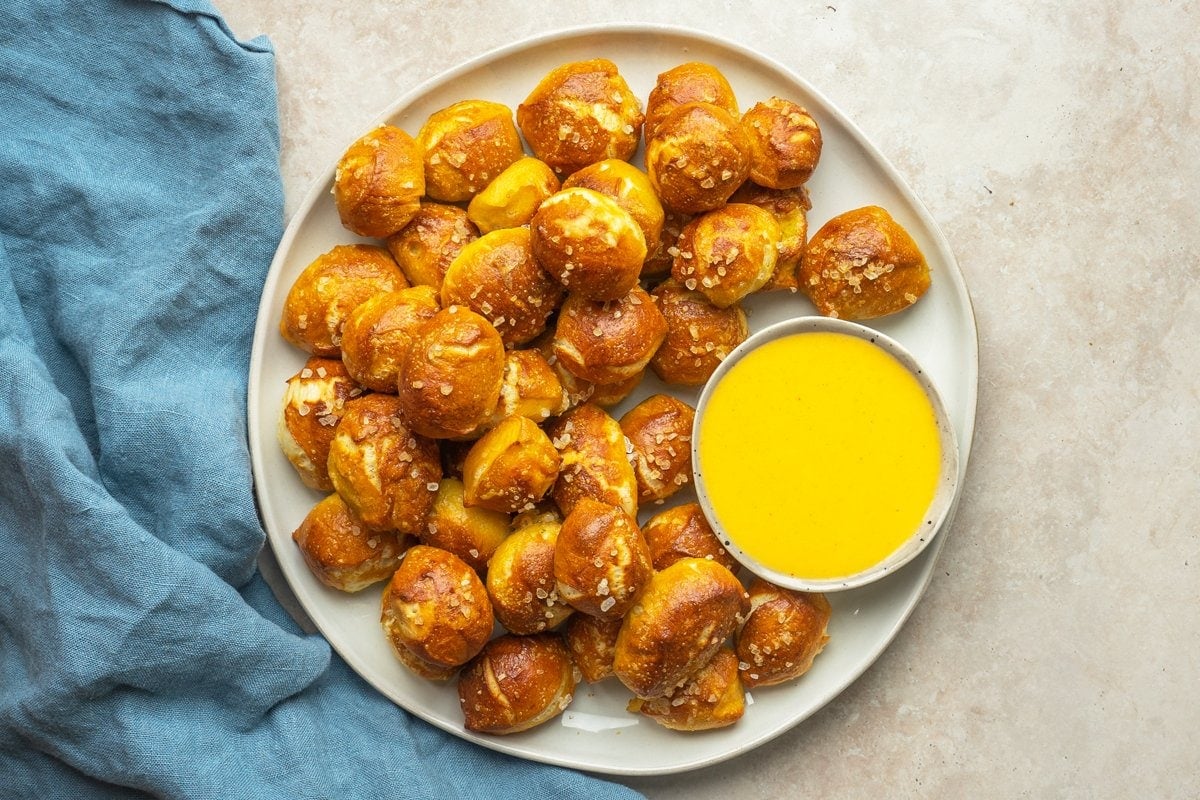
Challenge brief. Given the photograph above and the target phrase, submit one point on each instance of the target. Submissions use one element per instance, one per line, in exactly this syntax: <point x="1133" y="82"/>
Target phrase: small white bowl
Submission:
<point x="944" y="493"/>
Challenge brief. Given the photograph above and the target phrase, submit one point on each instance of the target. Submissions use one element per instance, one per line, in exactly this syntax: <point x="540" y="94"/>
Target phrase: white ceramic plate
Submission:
<point x="939" y="330"/>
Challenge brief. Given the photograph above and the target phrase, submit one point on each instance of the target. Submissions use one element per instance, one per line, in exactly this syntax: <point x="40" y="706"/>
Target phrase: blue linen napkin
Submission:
<point x="140" y="652"/>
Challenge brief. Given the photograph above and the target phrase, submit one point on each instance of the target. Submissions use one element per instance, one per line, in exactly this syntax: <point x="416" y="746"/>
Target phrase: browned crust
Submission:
<point x="699" y="335"/>
<point x="660" y="429"/>
<point x="379" y="182"/>
<point x="608" y="342"/>
<point x="782" y="635"/>
<point x="683" y="532"/>
<point x="595" y="461"/>
<point x="560" y="125"/>
<point x="863" y="264"/>
<point x="450" y="382"/>
<point x="386" y="473"/>
<point x="321" y="298"/>
<point x="516" y="683"/>
<point x="601" y="561"/>
<point x="437" y="608"/>
<point x="680" y="620"/>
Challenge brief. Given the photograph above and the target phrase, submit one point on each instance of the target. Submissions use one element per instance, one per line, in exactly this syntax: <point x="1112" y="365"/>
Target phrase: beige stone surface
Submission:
<point x="1057" y="651"/>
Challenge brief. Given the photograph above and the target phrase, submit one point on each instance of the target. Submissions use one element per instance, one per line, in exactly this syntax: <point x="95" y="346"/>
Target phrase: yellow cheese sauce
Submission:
<point x="819" y="453"/>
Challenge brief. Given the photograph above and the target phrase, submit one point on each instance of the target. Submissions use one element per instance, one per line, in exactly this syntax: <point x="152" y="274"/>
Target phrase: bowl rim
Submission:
<point x="945" y="493"/>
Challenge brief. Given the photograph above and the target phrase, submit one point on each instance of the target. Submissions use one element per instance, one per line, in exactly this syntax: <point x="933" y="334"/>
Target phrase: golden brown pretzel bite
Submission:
<point x="608" y="342"/>
<point x="425" y="246"/>
<point x="386" y="473"/>
<point x="511" y="467"/>
<point x="592" y="642"/>
<point x="629" y="186"/>
<point x="378" y="334"/>
<point x="785" y="143"/>
<point x="790" y="209"/>
<point x="329" y="288"/>
<point x="728" y="253"/>
<point x="496" y="277"/>
<point x="588" y="243"/>
<point x="683" y="532"/>
<point x="312" y="406"/>
<point x="699" y="335"/>
<point x="601" y="561"/>
<point x="472" y="534"/>
<point x="466" y="145"/>
<point x="693" y="82"/>
<point x="450" y="382"/>
<point x="435" y="612"/>
<point x="595" y="460"/>
<point x="698" y="158"/>
<point x="580" y="113"/>
<point x="513" y="196"/>
<point x="782" y="635"/>
<point x="530" y="388"/>
<point x="712" y="698"/>
<point x="342" y="552"/>
<point x="378" y="183"/>
<point x="516" y="683"/>
<point x="863" y="264"/>
<point x="680" y="620"/>
<point x="660" y="429"/>
<point x="520" y="581"/>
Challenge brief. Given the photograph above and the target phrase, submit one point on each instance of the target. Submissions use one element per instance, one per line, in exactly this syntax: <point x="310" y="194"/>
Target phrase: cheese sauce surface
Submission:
<point x="819" y="453"/>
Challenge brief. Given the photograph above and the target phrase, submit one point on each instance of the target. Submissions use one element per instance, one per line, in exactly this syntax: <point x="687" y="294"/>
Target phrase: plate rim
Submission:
<point x="265" y="327"/>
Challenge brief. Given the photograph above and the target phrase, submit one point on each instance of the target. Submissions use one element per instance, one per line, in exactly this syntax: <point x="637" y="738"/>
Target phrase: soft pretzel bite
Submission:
<point x="312" y="406"/>
<point x="378" y="334"/>
<point x="386" y="473"/>
<point x="530" y="388"/>
<point x="595" y="460"/>
<point x="342" y="552"/>
<point x="588" y="243"/>
<point x="580" y="113"/>
<point x="782" y="635"/>
<point x="516" y="683"/>
<point x="785" y="143"/>
<point x="680" y="620"/>
<point x="466" y="145"/>
<point x="683" y="532"/>
<point x="592" y="641"/>
<point x="435" y="612"/>
<point x="728" y="253"/>
<point x="520" y="581"/>
<point x="379" y="181"/>
<point x="629" y="186"/>
<point x="608" y="342"/>
<point x="513" y="196"/>
<point x="471" y="533"/>
<point x="425" y="246"/>
<point x="662" y="254"/>
<point x="660" y="429"/>
<point x="601" y="561"/>
<point x="712" y="698"/>
<point x="697" y="158"/>
<point x="693" y="82"/>
<point x="511" y="467"/>
<point x="497" y="277"/>
<point x="863" y="264"/>
<point x="699" y="335"/>
<point x="790" y="209"/>
<point x="450" y="382"/>
<point x="329" y="288"/>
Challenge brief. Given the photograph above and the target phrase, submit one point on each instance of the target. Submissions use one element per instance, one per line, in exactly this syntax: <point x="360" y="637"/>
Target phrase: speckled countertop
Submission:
<point x="1057" y="651"/>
